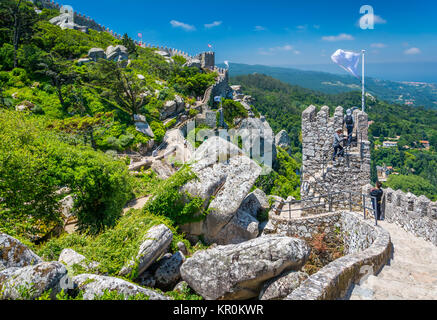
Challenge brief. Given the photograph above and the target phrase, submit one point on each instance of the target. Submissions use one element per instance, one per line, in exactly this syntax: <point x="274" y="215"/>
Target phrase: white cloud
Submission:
<point x="214" y="24"/>
<point x="316" y="26"/>
<point x="260" y="28"/>
<point x="274" y="50"/>
<point x="340" y="37"/>
<point x="303" y="27"/>
<point x="378" y="45"/>
<point x="412" y="51"/>
<point x="178" y="24"/>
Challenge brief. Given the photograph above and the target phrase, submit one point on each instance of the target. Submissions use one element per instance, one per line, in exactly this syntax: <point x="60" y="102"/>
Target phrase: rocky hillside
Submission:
<point x="113" y="182"/>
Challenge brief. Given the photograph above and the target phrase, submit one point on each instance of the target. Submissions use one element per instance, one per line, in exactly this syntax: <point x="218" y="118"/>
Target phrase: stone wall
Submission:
<point x="207" y="59"/>
<point x="348" y="174"/>
<point x="79" y="18"/>
<point x="221" y="87"/>
<point x="417" y="215"/>
<point x="365" y="245"/>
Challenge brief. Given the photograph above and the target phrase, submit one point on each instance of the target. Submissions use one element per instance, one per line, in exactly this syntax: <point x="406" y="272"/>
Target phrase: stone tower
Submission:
<point x="207" y="60"/>
<point x="319" y="174"/>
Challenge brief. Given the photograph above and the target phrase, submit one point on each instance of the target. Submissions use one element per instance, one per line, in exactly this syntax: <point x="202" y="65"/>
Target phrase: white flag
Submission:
<point x="347" y="60"/>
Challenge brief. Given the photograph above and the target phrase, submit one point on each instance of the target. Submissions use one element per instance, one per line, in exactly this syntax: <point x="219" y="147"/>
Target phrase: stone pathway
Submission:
<point x="410" y="275"/>
<point x="136" y="204"/>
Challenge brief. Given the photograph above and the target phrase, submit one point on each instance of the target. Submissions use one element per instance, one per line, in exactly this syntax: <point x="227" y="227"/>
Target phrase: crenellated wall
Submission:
<point x="365" y="245"/>
<point x="347" y="174"/>
<point x="417" y="215"/>
<point x="221" y="87"/>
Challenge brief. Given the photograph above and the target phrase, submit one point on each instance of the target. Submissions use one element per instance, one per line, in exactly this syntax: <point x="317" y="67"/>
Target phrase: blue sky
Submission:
<point x="275" y="32"/>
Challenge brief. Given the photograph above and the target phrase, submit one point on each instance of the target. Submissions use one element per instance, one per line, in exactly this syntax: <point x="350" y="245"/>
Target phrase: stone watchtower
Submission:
<point x="319" y="174"/>
<point x="207" y="60"/>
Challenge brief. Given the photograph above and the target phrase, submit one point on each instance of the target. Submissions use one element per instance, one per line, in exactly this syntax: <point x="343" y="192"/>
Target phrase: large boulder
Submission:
<point x="255" y="203"/>
<point x="141" y="125"/>
<point x="94" y="286"/>
<point x="15" y="254"/>
<point x="172" y="108"/>
<point x="69" y="257"/>
<point x="282" y="139"/>
<point x="244" y="225"/>
<point x="31" y="282"/>
<point x="258" y="138"/>
<point x="225" y="177"/>
<point x="168" y="273"/>
<point x="237" y="272"/>
<point x="163" y="169"/>
<point x="117" y="53"/>
<point x="280" y="287"/>
<point x="156" y="243"/>
<point x="96" y="53"/>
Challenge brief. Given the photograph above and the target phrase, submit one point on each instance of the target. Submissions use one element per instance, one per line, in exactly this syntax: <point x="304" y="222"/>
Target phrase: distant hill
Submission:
<point x="409" y="93"/>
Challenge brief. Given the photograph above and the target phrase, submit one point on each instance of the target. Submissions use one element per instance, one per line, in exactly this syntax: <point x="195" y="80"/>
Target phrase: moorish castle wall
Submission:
<point x="348" y="174"/>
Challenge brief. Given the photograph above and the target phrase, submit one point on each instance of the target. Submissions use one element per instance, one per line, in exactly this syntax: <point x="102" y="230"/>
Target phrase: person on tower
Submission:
<point x="350" y="124"/>
<point x="338" y="139"/>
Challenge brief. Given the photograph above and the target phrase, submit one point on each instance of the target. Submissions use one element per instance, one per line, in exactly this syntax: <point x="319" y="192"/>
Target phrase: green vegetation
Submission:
<point x="329" y="83"/>
<point x="283" y="180"/>
<point x="167" y="200"/>
<point x="233" y="110"/>
<point x="35" y="163"/>
<point x="414" y="184"/>
<point x="282" y="104"/>
<point x="114" y="247"/>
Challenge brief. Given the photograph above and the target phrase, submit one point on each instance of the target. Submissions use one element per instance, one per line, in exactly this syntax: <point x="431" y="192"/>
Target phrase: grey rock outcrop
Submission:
<point x="193" y="63"/>
<point x="32" y="281"/>
<point x="141" y="125"/>
<point x="117" y="53"/>
<point x="282" y="139"/>
<point x="94" y="286"/>
<point x="163" y="169"/>
<point x="237" y="272"/>
<point x="69" y="257"/>
<point x="258" y="136"/>
<point x="15" y="254"/>
<point x="244" y="225"/>
<point x="226" y="174"/>
<point x="280" y="287"/>
<point x="67" y="206"/>
<point x="157" y="241"/>
<point x="172" y="108"/>
<point x="168" y="271"/>
<point x="96" y="53"/>
<point x="255" y="202"/>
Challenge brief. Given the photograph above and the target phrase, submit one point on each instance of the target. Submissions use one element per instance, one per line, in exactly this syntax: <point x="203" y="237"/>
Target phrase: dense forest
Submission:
<point x="283" y="104"/>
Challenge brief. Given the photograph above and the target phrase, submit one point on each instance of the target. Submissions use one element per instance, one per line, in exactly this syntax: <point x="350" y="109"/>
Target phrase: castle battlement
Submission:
<point x="417" y="215"/>
<point x="347" y="174"/>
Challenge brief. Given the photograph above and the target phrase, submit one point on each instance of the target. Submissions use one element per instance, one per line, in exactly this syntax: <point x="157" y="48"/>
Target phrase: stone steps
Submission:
<point x="411" y="274"/>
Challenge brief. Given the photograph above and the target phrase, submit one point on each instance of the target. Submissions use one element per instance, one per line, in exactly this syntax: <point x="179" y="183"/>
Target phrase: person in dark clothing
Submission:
<point x="376" y="195"/>
<point x="350" y="124"/>
<point x="338" y="139"/>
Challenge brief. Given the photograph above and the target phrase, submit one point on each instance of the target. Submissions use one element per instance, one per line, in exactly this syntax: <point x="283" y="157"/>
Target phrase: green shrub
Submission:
<point x="34" y="163"/>
<point x="169" y="201"/>
<point x="233" y="110"/>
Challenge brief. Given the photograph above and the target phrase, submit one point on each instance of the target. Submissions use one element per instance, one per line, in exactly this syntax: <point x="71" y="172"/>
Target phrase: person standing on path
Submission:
<point x="376" y="195"/>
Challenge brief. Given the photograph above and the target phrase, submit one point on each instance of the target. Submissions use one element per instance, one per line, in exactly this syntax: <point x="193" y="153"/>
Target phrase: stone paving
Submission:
<point x="410" y="275"/>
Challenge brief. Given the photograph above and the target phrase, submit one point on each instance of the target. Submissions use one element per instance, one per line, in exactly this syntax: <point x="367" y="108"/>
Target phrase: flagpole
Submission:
<point x="363" y="105"/>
